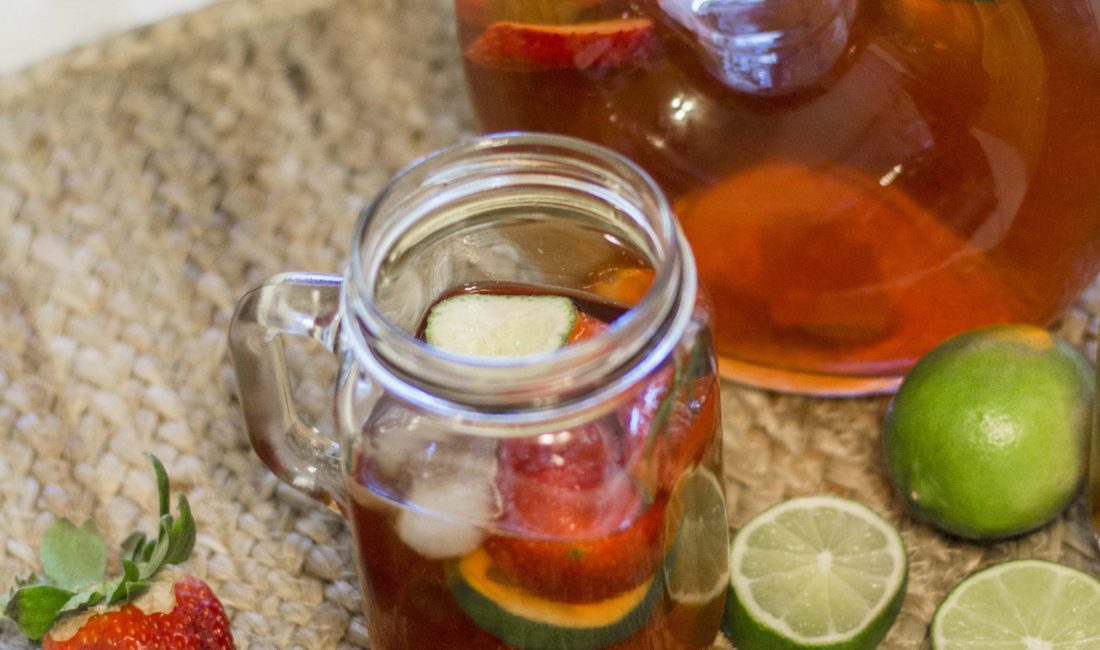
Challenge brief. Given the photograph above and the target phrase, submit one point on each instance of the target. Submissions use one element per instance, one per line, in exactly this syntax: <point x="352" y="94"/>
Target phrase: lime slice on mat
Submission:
<point x="500" y="325"/>
<point x="815" y="572"/>
<point x="1020" y="605"/>
<point x="697" y="568"/>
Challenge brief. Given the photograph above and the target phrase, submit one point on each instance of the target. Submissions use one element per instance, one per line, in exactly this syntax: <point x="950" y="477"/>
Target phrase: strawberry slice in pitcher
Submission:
<point x="528" y="46"/>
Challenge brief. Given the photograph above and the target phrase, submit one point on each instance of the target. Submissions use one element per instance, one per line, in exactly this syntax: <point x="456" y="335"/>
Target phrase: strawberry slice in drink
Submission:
<point x="671" y="423"/>
<point x="528" y="46"/>
<point x="586" y="531"/>
<point x="585" y="328"/>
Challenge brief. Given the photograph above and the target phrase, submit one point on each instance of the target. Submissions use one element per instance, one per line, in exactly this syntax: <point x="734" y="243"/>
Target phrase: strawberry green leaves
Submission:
<point x="73" y="557"/>
<point x="34" y="608"/>
<point x="74" y="561"/>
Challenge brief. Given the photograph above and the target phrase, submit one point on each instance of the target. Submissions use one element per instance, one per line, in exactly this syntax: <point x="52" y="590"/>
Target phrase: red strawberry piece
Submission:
<point x="150" y="606"/>
<point x="197" y="621"/>
<point x="583" y="529"/>
<point x="585" y="328"/>
<point x="578" y="569"/>
<point x="671" y="427"/>
<point x="563" y="483"/>
<point x="527" y="46"/>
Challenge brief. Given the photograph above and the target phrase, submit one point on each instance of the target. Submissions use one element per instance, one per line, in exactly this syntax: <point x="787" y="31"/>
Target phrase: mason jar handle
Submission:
<point x="299" y="304"/>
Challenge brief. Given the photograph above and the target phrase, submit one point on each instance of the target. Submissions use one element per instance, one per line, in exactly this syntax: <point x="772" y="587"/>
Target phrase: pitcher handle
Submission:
<point x="299" y="304"/>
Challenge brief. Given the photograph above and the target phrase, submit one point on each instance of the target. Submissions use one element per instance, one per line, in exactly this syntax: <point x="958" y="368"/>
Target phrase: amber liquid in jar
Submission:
<point x="572" y="524"/>
<point x="932" y="168"/>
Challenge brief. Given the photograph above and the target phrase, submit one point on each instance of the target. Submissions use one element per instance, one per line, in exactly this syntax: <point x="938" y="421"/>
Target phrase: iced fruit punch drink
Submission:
<point x="529" y="452"/>
<point x="572" y="538"/>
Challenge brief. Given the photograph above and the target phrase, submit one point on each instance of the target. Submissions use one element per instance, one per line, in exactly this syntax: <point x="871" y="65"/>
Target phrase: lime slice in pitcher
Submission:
<point x="815" y="572"/>
<point x="1026" y="604"/>
<point x="697" y="567"/>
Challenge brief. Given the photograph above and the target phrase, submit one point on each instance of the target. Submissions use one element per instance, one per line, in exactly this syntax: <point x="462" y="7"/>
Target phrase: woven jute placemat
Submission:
<point x="147" y="182"/>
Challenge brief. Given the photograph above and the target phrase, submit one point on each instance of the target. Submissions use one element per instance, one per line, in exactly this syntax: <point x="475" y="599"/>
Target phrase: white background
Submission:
<point x="31" y="30"/>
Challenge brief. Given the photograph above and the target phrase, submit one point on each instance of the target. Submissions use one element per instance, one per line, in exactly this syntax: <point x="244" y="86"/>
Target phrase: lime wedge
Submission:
<point x="815" y="572"/>
<point x="499" y="325"/>
<point x="1024" y="604"/>
<point x="697" y="567"/>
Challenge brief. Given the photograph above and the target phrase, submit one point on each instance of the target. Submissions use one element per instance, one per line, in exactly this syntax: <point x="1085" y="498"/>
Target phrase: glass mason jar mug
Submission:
<point x="569" y="498"/>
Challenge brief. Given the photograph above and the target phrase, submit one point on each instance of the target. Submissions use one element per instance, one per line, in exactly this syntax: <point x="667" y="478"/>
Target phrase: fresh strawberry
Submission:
<point x="150" y="606"/>
<point x="195" y="621"/>
<point x="585" y="530"/>
<point x="528" y="46"/>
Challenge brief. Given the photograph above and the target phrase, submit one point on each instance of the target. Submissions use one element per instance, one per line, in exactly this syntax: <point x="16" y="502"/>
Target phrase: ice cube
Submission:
<point x="447" y="518"/>
<point x="444" y="481"/>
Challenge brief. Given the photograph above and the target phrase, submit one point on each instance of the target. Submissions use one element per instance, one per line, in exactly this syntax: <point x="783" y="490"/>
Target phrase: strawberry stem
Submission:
<point x="162" y="483"/>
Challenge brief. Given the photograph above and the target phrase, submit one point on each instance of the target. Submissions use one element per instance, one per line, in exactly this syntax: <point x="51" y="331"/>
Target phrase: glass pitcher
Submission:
<point x="571" y="499"/>
<point x="859" y="180"/>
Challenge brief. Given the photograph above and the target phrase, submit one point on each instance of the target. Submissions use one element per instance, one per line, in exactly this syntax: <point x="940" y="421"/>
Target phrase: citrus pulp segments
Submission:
<point x="816" y="572"/>
<point x="1025" y="604"/>
<point x="696" y="570"/>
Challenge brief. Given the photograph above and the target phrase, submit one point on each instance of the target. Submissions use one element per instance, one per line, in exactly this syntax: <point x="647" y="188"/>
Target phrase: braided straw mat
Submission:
<point x="146" y="182"/>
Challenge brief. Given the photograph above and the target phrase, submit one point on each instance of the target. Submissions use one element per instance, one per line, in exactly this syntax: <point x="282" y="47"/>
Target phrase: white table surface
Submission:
<point x="32" y="30"/>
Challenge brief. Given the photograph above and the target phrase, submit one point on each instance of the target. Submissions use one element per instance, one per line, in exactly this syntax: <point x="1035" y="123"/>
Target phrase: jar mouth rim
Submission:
<point x="641" y="337"/>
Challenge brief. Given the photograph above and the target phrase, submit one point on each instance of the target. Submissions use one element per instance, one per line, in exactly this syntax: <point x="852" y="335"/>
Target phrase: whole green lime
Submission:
<point x="988" y="435"/>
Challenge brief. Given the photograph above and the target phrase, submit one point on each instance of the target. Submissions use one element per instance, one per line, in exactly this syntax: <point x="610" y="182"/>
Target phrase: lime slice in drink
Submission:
<point x="815" y="572"/>
<point x="697" y="567"/>
<point x="1025" y="604"/>
<point x="527" y="621"/>
<point x="499" y="325"/>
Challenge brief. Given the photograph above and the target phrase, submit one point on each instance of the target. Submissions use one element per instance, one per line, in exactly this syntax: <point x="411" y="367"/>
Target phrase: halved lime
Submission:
<point x="697" y="566"/>
<point x="500" y="325"/>
<point x="815" y="572"/>
<point x="1024" y="604"/>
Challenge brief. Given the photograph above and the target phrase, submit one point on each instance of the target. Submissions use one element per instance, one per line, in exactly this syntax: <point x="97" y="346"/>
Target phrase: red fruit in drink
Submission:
<point x="566" y="483"/>
<point x="581" y="570"/>
<point x="527" y="46"/>
<point x="586" y="532"/>
<point x="673" y="425"/>
<point x="196" y="622"/>
<point x="585" y="328"/>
